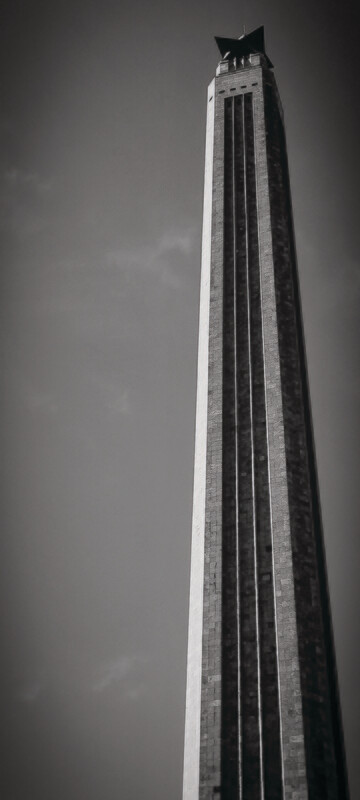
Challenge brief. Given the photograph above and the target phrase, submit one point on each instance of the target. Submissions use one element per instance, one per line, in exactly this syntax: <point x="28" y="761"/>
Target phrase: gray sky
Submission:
<point x="101" y="176"/>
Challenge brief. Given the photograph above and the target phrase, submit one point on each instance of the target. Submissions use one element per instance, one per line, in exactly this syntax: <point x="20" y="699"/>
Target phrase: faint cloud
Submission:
<point x="183" y="242"/>
<point x="39" y="401"/>
<point x="19" y="178"/>
<point x="136" y="692"/>
<point x="160" y="259"/>
<point x="23" y="198"/>
<point x="29" y="694"/>
<point x="338" y="277"/>
<point x="123" y="671"/>
<point x="113" y="672"/>
<point x="119" y="402"/>
<point x="34" y="399"/>
<point x="113" y="397"/>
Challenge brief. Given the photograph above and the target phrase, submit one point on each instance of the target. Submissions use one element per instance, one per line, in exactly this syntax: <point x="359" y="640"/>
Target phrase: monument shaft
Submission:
<point x="262" y="712"/>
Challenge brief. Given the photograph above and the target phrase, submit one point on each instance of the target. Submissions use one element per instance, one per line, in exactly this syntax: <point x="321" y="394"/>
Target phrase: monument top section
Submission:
<point x="243" y="47"/>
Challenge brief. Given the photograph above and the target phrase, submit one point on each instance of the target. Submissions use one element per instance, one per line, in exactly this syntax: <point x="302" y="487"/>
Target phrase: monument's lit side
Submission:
<point x="262" y="712"/>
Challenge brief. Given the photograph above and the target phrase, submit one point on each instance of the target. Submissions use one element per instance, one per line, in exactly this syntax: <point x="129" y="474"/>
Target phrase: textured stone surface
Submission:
<point x="262" y="718"/>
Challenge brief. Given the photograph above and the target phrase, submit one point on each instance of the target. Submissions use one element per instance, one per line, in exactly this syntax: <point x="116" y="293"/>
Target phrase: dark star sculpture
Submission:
<point x="253" y="42"/>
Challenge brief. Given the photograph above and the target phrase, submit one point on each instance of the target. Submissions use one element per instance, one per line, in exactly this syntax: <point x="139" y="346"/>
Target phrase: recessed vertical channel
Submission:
<point x="250" y="729"/>
<point x="230" y="612"/>
<point x="270" y="723"/>
<point x="251" y="762"/>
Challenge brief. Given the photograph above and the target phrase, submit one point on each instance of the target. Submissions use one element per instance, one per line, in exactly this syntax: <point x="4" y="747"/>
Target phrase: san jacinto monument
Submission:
<point x="262" y="709"/>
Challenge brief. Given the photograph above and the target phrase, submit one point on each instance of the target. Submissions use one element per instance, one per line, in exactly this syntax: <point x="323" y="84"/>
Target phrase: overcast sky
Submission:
<point x="101" y="178"/>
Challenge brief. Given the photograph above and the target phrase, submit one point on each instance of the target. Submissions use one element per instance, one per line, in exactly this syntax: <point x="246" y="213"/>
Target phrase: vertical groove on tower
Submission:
<point x="267" y="643"/>
<point x="250" y="716"/>
<point x="230" y="621"/>
<point x="248" y="560"/>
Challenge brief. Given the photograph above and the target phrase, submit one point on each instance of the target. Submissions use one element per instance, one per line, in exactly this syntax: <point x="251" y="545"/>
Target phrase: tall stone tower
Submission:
<point x="262" y="711"/>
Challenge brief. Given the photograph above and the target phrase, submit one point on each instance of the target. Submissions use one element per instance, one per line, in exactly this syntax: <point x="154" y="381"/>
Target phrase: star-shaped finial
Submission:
<point x="247" y="43"/>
